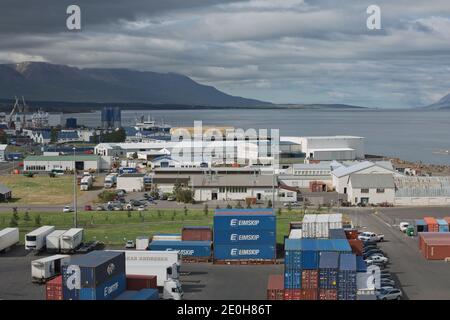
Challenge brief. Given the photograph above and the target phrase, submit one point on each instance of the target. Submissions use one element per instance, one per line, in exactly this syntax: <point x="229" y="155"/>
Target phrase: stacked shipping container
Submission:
<point x="244" y="235"/>
<point x="53" y="289"/>
<point x="435" y="245"/>
<point x="188" y="249"/>
<point x="98" y="275"/>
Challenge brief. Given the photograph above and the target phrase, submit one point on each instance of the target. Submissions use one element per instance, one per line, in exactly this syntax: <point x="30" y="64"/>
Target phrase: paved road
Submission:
<point x="418" y="277"/>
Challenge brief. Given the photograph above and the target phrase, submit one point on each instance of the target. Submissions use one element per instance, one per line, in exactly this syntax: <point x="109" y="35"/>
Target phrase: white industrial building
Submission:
<point x="371" y="188"/>
<point x="422" y="191"/>
<point x="301" y="175"/>
<point x="341" y="175"/>
<point x="131" y="182"/>
<point x="328" y="148"/>
<point x="3" y="152"/>
<point x="65" y="163"/>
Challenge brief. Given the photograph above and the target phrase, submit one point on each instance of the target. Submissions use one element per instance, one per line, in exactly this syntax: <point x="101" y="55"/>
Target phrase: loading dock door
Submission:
<point x="79" y="165"/>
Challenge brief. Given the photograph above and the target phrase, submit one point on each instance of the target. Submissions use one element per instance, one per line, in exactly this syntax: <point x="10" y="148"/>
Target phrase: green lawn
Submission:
<point x="114" y="227"/>
<point x="40" y="189"/>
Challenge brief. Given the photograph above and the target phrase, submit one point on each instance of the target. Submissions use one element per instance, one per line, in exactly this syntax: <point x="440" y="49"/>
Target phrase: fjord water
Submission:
<point x="408" y="134"/>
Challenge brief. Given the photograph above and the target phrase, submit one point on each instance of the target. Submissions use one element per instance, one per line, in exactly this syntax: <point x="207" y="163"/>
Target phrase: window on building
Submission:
<point x="364" y="190"/>
<point x="380" y="190"/>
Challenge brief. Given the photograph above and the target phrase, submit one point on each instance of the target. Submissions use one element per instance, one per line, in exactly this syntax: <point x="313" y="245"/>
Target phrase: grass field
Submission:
<point x="113" y="228"/>
<point x="40" y="189"/>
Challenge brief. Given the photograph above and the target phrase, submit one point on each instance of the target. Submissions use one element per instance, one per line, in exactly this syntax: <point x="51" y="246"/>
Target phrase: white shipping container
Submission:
<point x="48" y="267"/>
<point x="309" y="225"/>
<point x="142" y="243"/>
<point x="321" y="226"/>
<point x="71" y="239"/>
<point x="162" y="264"/>
<point x="295" y="234"/>
<point x="335" y="221"/>
<point x="8" y="238"/>
<point x="167" y="237"/>
<point x="53" y="240"/>
<point x="36" y="239"/>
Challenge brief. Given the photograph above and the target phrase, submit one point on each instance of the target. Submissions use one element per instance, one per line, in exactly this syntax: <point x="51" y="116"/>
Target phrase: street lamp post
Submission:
<point x="75" y="209"/>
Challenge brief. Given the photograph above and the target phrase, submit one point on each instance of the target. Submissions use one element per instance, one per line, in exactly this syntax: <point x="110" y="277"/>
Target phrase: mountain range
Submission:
<point x="444" y="103"/>
<point x="39" y="81"/>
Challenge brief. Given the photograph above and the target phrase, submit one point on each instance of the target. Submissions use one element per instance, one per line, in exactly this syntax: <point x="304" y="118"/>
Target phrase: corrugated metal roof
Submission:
<point x="95" y="258"/>
<point x="422" y="186"/>
<point x="344" y="170"/>
<point x="372" y="180"/>
<point x="4" y="189"/>
<point x="63" y="158"/>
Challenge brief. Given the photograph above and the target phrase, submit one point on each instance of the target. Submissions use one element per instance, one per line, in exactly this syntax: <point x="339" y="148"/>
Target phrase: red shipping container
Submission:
<point x="426" y="236"/>
<point x="275" y="287"/>
<point x="433" y="226"/>
<point x="435" y="245"/>
<point x="310" y="279"/>
<point x="138" y="282"/>
<point x="53" y="289"/>
<point x="292" y="294"/>
<point x="328" y="294"/>
<point x="351" y="234"/>
<point x="357" y="246"/>
<point x="196" y="234"/>
<point x="309" y="294"/>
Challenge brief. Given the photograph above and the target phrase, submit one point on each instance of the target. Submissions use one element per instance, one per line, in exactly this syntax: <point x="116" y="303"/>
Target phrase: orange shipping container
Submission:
<point x="310" y="279"/>
<point x="275" y="287"/>
<point x="357" y="246"/>
<point x="309" y="294"/>
<point x="351" y="234"/>
<point x="292" y="294"/>
<point x="328" y="294"/>
<point x="433" y="226"/>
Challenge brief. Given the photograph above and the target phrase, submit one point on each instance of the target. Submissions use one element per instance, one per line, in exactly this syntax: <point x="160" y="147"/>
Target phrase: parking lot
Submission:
<point x="418" y="278"/>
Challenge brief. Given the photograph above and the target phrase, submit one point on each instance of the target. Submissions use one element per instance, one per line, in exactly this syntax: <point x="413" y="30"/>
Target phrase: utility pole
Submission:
<point x="75" y="209"/>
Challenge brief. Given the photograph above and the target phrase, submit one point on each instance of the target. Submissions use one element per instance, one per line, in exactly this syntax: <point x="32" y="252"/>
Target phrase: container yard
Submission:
<point x="244" y="236"/>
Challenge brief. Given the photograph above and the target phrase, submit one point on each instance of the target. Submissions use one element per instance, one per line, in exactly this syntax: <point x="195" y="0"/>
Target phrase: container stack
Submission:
<point x="430" y="224"/>
<point x="275" y="287"/>
<point x="435" y="245"/>
<point x="98" y="275"/>
<point x="244" y="236"/>
<point x="53" y="289"/>
<point x="328" y="275"/>
<point x="190" y="251"/>
<point x="347" y="283"/>
<point x="317" y="226"/>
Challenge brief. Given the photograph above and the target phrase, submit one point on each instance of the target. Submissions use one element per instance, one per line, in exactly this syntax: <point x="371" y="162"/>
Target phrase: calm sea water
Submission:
<point x="409" y="134"/>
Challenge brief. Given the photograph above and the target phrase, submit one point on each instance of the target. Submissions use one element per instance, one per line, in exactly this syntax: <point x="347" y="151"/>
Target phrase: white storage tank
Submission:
<point x="48" y="267"/>
<point x="53" y="241"/>
<point x="8" y="238"/>
<point x="71" y="239"/>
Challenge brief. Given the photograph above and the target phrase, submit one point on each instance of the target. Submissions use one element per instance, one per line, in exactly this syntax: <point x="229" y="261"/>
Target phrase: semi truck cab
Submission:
<point x="172" y="290"/>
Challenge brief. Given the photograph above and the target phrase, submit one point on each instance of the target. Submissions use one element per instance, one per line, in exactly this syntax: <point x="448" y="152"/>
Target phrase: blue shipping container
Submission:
<point x="127" y="170"/>
<point x="107" y="290"/>
<point x="421" y="226"/>
<point x="244" y="252"/>
<point x="347" y="284"/>
<point x="94" y="268"/>
<point x="328" y="270"/>
<point x="361" y="265"/>
<point x="336" y="234"/>
<point x="249" y="222"/>
<point x="292" y="279"/>
<point x="198" y="249"/>
<point x="443" y="225"/>
<point x="310" y="260"/>
<point x="240" y="236"/>
<point x="293" y="260"/>
<point x="147" y="294"/>
<point x="332" y="245"/>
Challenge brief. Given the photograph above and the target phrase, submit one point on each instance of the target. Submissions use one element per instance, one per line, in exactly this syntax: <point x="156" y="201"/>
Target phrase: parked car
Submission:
<point x="141" y="208"/>
<point x="99" y="208"/>
<point x="389" y="294"/>
<point x="67" y="209"/>
<point x="121" y="192"/>
<point x="146" y="195"/>
<point x="377" y="259"/>
<point x="387" y="282"/>
<point x="88" y="207"/>
<point x="371" y="237"/>
<point x="404" y="226"/>
<point x="163" y="197"/>
<point x="372" y="251"/>
<point x="89" y="246"/>
<point x="171" y="198"/>
<point x="129" y="244"/>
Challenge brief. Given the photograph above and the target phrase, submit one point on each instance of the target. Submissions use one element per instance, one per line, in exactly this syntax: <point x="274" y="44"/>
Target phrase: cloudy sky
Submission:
<point x="284" y="51"/>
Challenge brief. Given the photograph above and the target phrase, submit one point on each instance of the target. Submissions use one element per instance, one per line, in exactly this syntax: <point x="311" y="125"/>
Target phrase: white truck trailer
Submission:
<point x="47" y="268"/>
<point x="165" y="265"/>
<point x="110" y="181"/>
<point x="53" y="241"/>
<point x="8" y="238"/>
<point x="86" y="183"/>
<point x="142" y="243"/>
<point x="71" y="240"/>
<point x="36" y="239"/>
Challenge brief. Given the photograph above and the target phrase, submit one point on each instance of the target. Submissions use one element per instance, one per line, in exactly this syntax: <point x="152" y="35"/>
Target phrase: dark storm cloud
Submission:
<point x="308" y="51"/>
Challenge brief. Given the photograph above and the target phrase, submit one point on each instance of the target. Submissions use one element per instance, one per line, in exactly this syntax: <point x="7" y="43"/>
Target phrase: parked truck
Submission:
<point x="8" y="238"/>
<point x="110" y="181"/>
<point x="71" y="240"/>
<point x="36" y="239"/>
<point x="86" y="183"/>
<point x="47" y="268"/>
<point x="165" y="265"/>
<point x="53" y="241"/>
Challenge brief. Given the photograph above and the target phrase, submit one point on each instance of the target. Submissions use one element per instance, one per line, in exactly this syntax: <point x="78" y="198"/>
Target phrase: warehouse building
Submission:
<point x="5" y="193"/>
<point x="65" y="163"/>
<point x="131" y="182"/>
<point x="422" y="191"/>
<point x="371" y="188"/>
